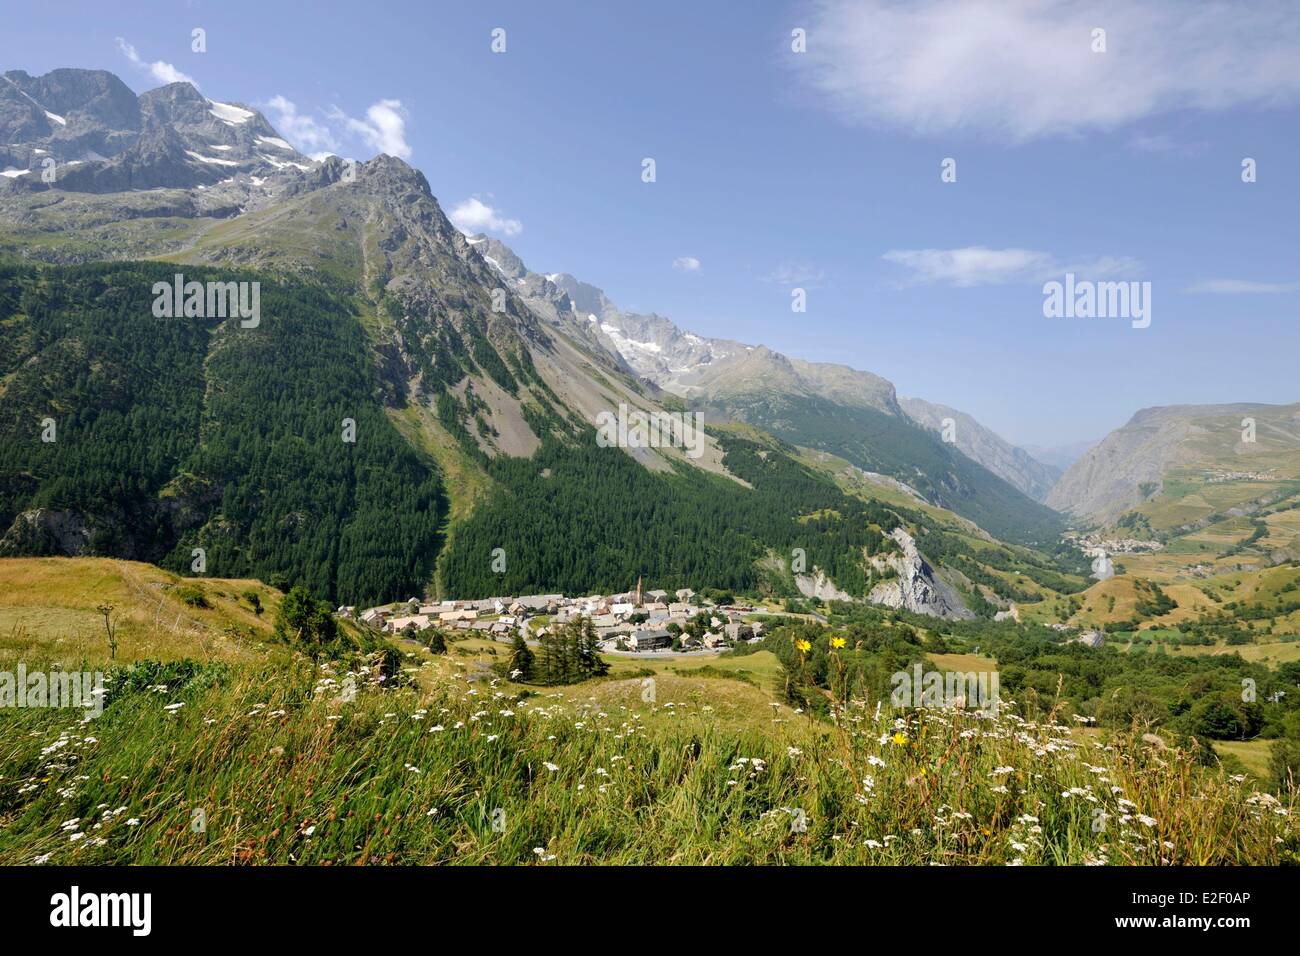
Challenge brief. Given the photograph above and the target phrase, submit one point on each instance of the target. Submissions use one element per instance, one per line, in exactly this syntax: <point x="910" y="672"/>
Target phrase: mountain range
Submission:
<point x="474" y="384"/>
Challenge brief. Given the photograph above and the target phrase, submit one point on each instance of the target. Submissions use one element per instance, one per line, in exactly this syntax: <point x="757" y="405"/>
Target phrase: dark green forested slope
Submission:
<point x="175" y="434"/>
<point x="894" y="446"/>
<point x="181" y="433"/>
<point x="578" y="518"/>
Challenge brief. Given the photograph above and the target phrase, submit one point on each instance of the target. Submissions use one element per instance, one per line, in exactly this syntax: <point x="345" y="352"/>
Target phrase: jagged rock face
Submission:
<point x="557" y="299"/>
<point x="916" y="588"/>
<point x="999" y="456"/>
<point x="101" y="138"/>
<point x="67" y="112"/>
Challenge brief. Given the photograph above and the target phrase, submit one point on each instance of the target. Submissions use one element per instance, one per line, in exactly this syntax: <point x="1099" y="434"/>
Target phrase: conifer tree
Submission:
<point x="521" y="659"/>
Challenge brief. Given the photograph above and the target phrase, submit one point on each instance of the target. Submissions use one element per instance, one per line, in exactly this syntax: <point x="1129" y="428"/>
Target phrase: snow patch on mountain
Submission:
<point x="234" y="115"/>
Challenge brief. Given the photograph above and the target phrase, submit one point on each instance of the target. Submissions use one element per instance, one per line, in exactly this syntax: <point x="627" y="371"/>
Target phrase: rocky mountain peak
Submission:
<point x="103" y="138"/>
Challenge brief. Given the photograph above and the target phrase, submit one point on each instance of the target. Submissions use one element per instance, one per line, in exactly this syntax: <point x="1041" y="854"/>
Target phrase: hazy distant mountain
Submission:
<point x="995" y="453"/>
<point x="1060" y="457"/>
<point x="1131" y="463"/>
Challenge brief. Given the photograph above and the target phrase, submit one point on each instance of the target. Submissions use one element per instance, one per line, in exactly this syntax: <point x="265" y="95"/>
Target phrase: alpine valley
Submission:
<point x="407" y="429"/>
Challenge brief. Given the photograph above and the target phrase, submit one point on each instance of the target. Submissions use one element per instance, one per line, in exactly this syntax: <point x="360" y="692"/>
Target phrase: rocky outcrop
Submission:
<point x="818" y="585"/>
<point x="916" y="587"/>
<point x="1011" y="614"/>
<point x="46" y="532"/>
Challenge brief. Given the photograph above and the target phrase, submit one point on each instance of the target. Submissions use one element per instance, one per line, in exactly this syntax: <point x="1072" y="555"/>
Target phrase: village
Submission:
<point x="634" y="622"/>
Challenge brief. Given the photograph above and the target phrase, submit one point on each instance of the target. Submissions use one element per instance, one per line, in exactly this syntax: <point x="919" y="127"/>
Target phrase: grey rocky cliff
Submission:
<point x="916" y="587"/>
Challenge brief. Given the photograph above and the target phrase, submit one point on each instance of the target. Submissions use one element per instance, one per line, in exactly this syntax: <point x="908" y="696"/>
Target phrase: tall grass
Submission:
<point x="266" y="764"/>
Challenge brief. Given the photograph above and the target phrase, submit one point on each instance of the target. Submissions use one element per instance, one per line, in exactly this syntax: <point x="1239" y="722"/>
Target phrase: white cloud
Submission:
<point x="161" y="71"/>
<point x="1243" y="287"/>
<point x="472" y="216"/>
<point x="1026" y="69"/>
<point x="383" y="129"/>
<point x="307" y="134"/>
<point x="788" y="273"/>
<point x="686" y="264"/>
<point x="978" y="265"/>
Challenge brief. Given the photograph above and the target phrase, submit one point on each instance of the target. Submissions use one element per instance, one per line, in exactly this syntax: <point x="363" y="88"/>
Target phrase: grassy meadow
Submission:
<point x="222" y="746"/>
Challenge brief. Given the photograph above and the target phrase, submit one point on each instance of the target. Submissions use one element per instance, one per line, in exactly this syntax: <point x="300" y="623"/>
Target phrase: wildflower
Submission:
<point x="803" y="646"/>
<point x="899" y="739"/>
<point x="174" y="707"/>
<point x="838" y="642"/>
<point x="550" y="766"/>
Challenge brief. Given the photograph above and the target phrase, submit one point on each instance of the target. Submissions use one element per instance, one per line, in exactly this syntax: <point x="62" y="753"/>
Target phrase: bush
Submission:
<point x="192" y="595"/>
<point x="304" y="620"/>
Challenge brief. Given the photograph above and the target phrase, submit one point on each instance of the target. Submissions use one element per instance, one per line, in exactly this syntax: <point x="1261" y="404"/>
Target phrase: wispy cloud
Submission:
<point x="161" y="71"/>
<point x="383" y="129"/>
<point x="686" y="264"/>
<point x="791" y="273"/>
<point x="472" y="216"/>
<point x="978" y="265"/>
<point x="1242" y="287"/>
<point x="309" y="135"/>
<point x="1027" y="69"/>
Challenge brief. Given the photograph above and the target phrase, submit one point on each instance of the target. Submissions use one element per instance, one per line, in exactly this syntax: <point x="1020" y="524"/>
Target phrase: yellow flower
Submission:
<point x="803" y="646"/>
<point x="838" y="642"/>
<point x="899" y="740"/>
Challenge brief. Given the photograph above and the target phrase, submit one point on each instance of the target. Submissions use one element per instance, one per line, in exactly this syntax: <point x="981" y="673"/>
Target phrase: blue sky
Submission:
<point x="822" y="169"/>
